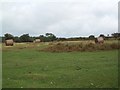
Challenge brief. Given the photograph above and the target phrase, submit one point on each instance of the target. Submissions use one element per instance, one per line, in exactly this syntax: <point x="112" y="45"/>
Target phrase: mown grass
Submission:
<point x="25" y="66"/>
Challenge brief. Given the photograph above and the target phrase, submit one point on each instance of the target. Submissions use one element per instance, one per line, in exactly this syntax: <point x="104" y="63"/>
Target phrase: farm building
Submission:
<point x="37" y="40"/>
<point x="9" y="42"/>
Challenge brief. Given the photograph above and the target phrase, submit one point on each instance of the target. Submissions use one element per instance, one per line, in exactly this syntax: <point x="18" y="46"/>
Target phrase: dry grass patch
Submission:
<point x="80" y="46"/>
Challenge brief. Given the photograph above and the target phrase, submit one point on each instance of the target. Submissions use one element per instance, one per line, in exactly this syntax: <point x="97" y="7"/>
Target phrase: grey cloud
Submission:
<point x="61" y="18"/>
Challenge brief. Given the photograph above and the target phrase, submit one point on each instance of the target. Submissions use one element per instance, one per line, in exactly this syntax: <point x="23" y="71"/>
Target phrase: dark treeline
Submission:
<point x="48" y="37"/>
<point x="27" y="38"/>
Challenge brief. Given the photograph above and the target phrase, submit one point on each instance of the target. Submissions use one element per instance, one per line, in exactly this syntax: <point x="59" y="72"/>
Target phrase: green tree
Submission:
<point x="8" y="36"/>
<point x="102" y="35"/>
<point x="17" y="39"/>
<point x="0" y="39"/>
<point x="42" y="38"/>
<point x="25" y="38"/>
<point x="50" y="37"/>
<point x="116" y="35"/>
<point x="91" y="37"/>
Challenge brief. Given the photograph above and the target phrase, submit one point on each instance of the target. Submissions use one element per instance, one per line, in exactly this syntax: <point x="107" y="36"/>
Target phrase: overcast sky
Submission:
<point x="64" y="18"/>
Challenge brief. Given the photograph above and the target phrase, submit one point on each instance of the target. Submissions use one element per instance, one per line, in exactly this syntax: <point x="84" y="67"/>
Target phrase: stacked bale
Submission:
<point x="9" y="42"/>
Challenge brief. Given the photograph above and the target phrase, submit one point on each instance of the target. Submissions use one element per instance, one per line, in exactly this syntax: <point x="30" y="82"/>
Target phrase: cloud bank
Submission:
<point x="63" y="18"/>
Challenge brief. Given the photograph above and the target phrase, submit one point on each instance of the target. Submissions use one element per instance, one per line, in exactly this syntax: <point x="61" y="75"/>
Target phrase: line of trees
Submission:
<point x="48" y="37"/>
<point x="27" y="38"/>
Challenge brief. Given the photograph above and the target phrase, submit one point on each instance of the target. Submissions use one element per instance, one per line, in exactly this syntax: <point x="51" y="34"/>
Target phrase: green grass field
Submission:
<point x="25" y="66"/>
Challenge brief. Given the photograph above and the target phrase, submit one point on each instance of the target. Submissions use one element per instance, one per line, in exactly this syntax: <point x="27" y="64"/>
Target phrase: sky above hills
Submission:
<point x="64" y="18"/>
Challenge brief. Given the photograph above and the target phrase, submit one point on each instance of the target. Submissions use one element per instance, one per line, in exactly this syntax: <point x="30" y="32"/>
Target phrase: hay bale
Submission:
<point x="99" y="40"/>
<point x="37" y="41"/>
<point x="9" y="42"/>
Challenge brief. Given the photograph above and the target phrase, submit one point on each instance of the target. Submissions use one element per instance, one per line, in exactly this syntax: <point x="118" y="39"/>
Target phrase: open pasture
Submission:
<point x="25" y="65"/>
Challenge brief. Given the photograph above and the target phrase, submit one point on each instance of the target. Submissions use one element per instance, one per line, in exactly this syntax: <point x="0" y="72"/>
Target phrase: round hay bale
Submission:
<point x="9" y="42"/>
<point x="37" y="41"/>
<point x="99" y="40"/>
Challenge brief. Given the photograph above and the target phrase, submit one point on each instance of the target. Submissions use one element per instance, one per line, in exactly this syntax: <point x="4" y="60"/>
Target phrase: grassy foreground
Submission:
<point x="30" y="68"/>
